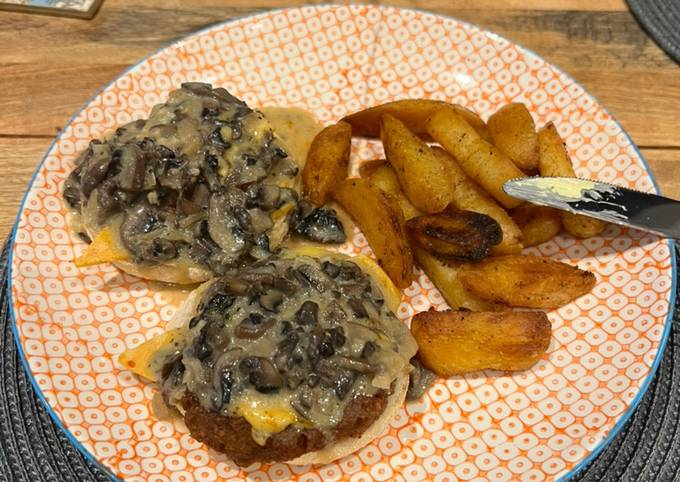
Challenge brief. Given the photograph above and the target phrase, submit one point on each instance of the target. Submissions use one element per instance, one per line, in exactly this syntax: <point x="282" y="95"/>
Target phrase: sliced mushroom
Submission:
<point x="271" y="300"/>
<point x="95" y="169"/>
<point x="253" y="326"/>
<point x="321" y="225"/>
<point x="132" y="168"/>
<point x="308" y="313"/>
<point x="262" y="374"/>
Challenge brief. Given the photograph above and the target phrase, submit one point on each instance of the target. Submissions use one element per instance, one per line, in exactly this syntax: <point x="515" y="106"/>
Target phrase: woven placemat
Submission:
<point x="661" y="20"/>
<point x="33" y="448"/>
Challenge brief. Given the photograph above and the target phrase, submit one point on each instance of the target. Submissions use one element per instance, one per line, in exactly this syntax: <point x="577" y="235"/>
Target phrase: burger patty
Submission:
<point x="232" y="435"/>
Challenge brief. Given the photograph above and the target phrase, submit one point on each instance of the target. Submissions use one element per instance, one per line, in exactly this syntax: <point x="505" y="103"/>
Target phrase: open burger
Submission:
<point x="200" y="186"/>
<point x="298" y="358"/>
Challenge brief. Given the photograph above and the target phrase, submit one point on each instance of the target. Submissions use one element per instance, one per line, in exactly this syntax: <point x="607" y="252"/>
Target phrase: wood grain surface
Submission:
<point x="49" y="67"/>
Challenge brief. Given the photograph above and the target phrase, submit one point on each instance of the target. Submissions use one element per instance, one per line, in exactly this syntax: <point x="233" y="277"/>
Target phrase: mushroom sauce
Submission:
<point x="303" y="335"/>
<point x="204" y="181"/>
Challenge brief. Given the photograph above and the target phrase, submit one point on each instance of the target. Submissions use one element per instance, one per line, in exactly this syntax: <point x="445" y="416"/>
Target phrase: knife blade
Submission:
<point x="614" y="204"/>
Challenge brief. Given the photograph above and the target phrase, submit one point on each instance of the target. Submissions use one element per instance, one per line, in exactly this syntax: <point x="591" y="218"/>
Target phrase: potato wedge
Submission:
<point x="553" y="160"/>
<point x="457" y="342"/>
<point x="460" y="234"/>
<point x="104" y="248"/>
<point x="380" y="218"/>
<point x="529" y="281"/>
<point x="327" y="162"/>
<point x="369" y="167"/>
<point x="413" y="113"/>
<point x="513" y="131"/>
<point x="423" y="177"/>
<point x="444" y="275"/>
<point x="479" y="159"/>
<point x="467" y="196"/>
<point x="538" y="223"/>
<point x="383" y="177"/>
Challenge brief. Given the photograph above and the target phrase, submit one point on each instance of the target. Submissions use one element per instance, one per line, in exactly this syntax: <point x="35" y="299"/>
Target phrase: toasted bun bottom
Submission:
<point x="347" y="446"/>
<point x="167" y="273"/>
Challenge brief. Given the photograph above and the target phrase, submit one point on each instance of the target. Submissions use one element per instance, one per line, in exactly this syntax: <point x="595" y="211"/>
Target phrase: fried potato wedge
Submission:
<point x="413" y="113"/>
<point x="457" y="342"/>
<point x="467" y="196"/>
<point x="380" y="218"/>
<point x="479" y="159"/>
<point x="538" y="223"/>
<point x="327" y="162"/>
<point x="529" y="281"/>
<point x="369" y="167"/>
<point x="423" y="177"/>
<point x="444" y="275"/>
<point x="553" y="160"/>
<point x="513" y="131"/>
<point x="384" y="177"/>
<point x="104" y="248"/>
<point x="460" y="234"/>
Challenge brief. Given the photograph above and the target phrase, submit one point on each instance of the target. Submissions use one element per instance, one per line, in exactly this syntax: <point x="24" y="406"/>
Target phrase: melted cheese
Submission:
<point x="105" y="247"/>
<point x="139" y="360"/>
<point x="267" y="414"/>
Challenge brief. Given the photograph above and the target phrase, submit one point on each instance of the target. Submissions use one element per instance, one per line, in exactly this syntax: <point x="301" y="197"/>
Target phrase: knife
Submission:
<point x="614" y="204"/>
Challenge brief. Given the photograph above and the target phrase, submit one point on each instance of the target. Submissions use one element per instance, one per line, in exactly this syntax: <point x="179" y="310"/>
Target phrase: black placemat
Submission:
<point x="661" y="20"/>
<point x="33" y="448"/>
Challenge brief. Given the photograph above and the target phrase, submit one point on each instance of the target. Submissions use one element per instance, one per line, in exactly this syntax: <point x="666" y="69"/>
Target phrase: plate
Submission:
<point x="541" y="424"/>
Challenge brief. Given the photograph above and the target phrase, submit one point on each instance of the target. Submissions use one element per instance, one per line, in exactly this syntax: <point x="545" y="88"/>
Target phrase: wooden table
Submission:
<point x="50" y="66"/>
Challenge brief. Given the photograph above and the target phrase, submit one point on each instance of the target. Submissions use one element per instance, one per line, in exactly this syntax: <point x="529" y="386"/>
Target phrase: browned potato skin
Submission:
<point x="369" y="167"/>
<point x="460" y="234"/>
<point x="554" y="161"/>
<point x="327" y="162"/>
<point x="457" y="342"/>
<point x="513" y="131"/>
<point x="479" y="159"/>
<point x="423" y="176"/>
<point x="538" y="223"/>
<point x="444" y="275"/>
<point x="528" y="281"/>
<point x="383" y="177"/>
<point x="380" y="218"/>
<point x="467" y="196"/>
<point x="413" y="113"/>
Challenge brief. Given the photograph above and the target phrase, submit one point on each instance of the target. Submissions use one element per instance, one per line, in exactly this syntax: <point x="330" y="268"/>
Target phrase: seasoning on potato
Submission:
<point x="381" y="175"/>
<point x="480" y="160"/>
<point x="444" y="275"/>
<point x="413" y="113"/>
<point x="327" y="162"/>
<point x="528" y="281"/>
<point x="467" y="196"/>
<point x="459" y="234"/>
<point x="554" y="161"/>
<point x="513" y="131"/>
<point x="381" y="220"/>
<point x="538" y="223"/>
<point x="457" y="342"/>
<point x="423" y="177"/>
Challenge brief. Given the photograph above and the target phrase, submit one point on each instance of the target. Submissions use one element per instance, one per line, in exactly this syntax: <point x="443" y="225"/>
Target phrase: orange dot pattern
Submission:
<point x="334" y="60"/>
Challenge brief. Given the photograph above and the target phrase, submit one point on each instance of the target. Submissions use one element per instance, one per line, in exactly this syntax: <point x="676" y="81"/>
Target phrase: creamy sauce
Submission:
<point x="295" y="127"/>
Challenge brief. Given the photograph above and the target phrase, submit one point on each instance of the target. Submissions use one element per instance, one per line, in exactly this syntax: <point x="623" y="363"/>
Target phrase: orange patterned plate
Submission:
<point x="542" y="424"/>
